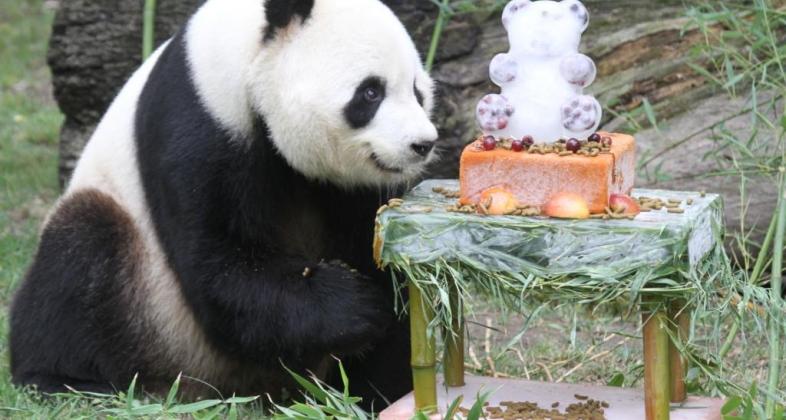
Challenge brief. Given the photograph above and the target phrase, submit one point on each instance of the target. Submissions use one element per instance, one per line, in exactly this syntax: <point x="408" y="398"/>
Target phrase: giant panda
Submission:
<point x="219" y="223"/>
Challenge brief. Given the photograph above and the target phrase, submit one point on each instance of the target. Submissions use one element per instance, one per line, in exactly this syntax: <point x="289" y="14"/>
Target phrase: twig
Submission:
<point x="594" y="357"/>
<point x="474" y="358"/>
<point x="581" y="364"/>
<point x="546" y="371"/>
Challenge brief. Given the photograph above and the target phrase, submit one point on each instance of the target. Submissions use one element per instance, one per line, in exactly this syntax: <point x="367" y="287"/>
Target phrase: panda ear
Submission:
<point x="280" y="13"/>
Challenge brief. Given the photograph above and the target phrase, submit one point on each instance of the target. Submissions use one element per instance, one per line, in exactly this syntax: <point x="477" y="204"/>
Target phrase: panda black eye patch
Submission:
<point x="418" y="95"/>
<point x="365" y="103"/>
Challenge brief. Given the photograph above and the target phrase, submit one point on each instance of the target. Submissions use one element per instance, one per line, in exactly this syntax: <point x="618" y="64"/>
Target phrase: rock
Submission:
<point x="682" y="153"/>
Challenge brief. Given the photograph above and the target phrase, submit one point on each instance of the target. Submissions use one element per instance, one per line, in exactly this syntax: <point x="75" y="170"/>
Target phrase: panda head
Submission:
<point x="343" y="92"/>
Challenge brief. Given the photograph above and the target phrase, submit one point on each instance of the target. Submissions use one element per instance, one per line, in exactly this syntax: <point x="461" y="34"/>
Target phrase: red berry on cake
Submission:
<point x="573" y="145"/>
<point x="606" y="141"/>
<point x="527" y="141"/>
<point x="489" y="143"/>
<point x="517" y="146"/>
<point x="594" y="137"/>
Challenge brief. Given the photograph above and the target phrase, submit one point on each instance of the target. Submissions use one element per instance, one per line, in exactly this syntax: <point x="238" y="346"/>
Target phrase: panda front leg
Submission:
<point x="274" y="309"/>
<point x="382" y="374"/>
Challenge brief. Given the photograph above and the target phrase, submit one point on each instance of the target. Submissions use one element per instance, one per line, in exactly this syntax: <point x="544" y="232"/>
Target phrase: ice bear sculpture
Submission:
<point x="542" y="76"/>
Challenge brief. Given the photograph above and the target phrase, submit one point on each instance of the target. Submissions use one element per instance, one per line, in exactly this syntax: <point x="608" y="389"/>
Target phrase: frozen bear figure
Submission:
<point x="542" y="76"/>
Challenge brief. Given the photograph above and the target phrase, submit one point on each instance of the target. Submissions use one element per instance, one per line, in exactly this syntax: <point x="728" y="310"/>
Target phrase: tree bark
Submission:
<point x="95" y="47"/>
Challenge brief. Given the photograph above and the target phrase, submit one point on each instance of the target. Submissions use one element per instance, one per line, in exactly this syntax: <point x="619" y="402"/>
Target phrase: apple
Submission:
<point x="498" y="201"/>
<point x="567" y="206"/>
<point x="624" y="204"/>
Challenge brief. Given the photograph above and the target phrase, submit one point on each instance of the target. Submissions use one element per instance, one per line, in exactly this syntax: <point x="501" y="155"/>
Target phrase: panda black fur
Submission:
<point x="212" y="220"/>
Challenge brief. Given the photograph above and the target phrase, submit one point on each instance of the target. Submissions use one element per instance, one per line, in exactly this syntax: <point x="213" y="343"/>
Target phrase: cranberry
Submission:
<point x="527" y="141"/>
<point x="606" y="141"/>
<point x="517" y="146"/>
<point x="594" y="137"/>
<point x="489" y="143"/>
<point x="573" y="145"/>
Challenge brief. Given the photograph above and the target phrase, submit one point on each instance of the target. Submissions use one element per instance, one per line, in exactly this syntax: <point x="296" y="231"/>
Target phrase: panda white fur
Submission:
<point x="203" y="227"/>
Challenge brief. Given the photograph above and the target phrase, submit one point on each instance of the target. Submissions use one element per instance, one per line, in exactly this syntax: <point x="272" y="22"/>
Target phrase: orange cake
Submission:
<point x="534" y="176"/>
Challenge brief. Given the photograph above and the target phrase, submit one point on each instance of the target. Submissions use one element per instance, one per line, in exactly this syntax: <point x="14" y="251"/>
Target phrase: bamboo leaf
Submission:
<point x="170" y="398"/>
<point x="241" y="400"/>
<point x="731" y="405"/>
<point x="210" y="415"/>
<point x="147" y="410"/>
<point x="194" y="407"/>
<point x="310" y="387"/>
<point x="617" y="380"/>
<point x="130" y="393"/>
<point x="476" y="411"/>
<point x="453" y="408"/>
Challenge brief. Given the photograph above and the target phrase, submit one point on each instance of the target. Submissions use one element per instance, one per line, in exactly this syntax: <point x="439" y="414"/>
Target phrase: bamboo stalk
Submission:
<point x="656" y="364"/>
<point x="679" y="318"/>
<point x="437" y="34"/>
<point x="776" y="297"/>
<point x="424" y="370"/>
<point x="148" y="31"/>
<point x="454" y="343"/>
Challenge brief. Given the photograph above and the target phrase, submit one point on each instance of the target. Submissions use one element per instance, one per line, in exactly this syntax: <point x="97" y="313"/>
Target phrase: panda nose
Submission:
<point x="423" y="148"/>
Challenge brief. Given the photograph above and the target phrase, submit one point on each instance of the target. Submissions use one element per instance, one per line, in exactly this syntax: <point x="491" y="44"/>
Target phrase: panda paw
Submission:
<point x="503" y="69"/>
<point x="581" y="114"/>
<point x="578" y="69"/>
<point x="357" y="311"/>
<point x="493" y="112"/>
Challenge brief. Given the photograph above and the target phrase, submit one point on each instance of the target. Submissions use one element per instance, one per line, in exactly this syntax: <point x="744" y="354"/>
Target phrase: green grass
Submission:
<point x="29" y="124"/>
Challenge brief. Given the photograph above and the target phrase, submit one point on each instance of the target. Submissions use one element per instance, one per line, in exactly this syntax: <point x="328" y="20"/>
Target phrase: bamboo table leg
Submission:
<point x="424" y="371"/>
<point x="679" y="318"/>
<point x="454" y="344"/>
<point x="656" y="365"/>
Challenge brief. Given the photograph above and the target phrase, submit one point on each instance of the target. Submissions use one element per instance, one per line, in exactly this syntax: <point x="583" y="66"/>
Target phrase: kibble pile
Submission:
<point x="593" y="146"/>
<point x="585" y="409"/>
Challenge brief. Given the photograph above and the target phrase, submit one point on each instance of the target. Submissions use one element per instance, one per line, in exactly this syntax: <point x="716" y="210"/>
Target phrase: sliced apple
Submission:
<point x="567" y="206"/>
<point x="623" y="204"/>
<point x="498" y="201"/>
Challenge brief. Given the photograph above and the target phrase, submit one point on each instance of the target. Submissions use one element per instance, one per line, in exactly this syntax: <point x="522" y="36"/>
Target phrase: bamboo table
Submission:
<point x="659" y="261"/>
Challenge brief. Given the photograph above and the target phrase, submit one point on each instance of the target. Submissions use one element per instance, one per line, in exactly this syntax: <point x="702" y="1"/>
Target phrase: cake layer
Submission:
<point x="535" y="178"/>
